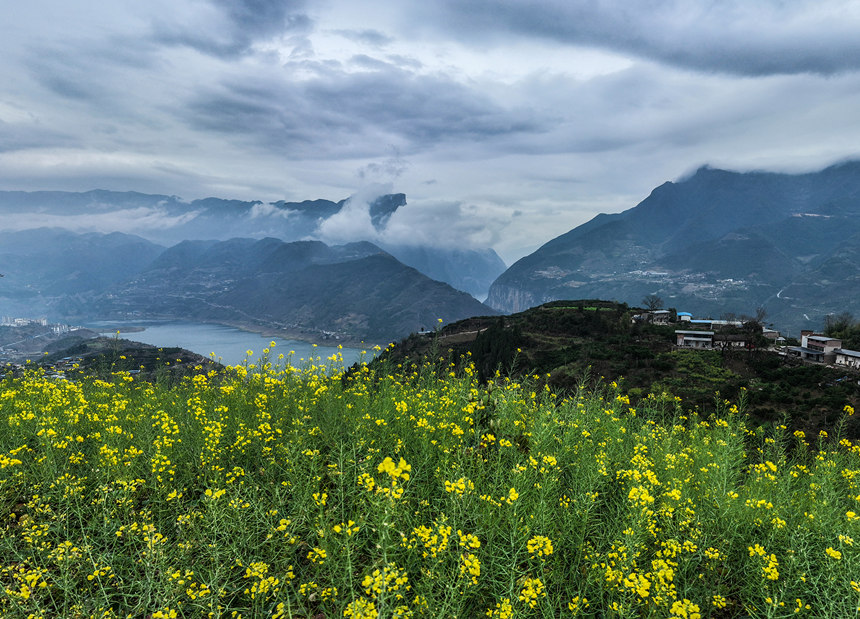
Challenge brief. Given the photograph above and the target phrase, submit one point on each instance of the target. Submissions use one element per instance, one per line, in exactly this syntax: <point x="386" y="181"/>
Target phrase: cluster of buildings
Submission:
<point x="9" y="321"/>
<point x="824" y="349"/>
<point x="708" y="334"/>
<point x="58" y="329"/>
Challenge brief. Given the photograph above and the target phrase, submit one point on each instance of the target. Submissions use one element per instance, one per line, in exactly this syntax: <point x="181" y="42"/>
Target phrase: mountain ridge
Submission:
<point x="304" y="289"/>
<point x="716" y="241"/>
<point x="168" y="220"/>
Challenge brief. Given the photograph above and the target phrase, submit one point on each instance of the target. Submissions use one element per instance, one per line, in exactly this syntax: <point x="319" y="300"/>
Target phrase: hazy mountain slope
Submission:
<point x="43" y="263"/>
<point x="352" y="292"/>
<point x="471" y="270"/>
<point x="716" y="242"/>
<point x="375" y="298"/>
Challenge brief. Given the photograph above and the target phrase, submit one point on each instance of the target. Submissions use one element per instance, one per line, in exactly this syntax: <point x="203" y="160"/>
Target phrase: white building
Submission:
<point x="848" y="358"/>
<point x="694" y="339"/>
<point x="816" y="347"/>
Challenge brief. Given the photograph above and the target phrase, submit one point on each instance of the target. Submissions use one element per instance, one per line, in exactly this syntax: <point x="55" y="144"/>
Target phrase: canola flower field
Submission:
<point x="275" y="491"/>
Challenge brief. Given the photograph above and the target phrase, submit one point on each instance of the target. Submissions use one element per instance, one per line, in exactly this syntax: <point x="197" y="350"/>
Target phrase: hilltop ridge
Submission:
<point x="574" y="342"/>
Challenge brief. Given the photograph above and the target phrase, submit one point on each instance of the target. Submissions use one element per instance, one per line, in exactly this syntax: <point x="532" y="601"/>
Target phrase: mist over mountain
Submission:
<point x="165" y="220"/>
<point x="43" y="264"/>
<point x="716" y="242"/>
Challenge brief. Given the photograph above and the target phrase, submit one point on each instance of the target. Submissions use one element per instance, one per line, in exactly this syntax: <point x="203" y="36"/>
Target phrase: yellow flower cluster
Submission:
<point x="470" y="566"/>
<point x="770" y="564"/>
<point x="388" y="581"/>
<point x="539" y="546"/>
<point x="317" y="555"/>
<point x="361" y="608"/>
<point x="503" y="610"/>
<point x="685" y="609"/>
<point x="263" y="585"/>
<point x="432" y="539"/>
<point x="349" y="528"/>
<point x="532" y="591"/>
<point x="396" y="475"/>
<point x="459" y="486"/>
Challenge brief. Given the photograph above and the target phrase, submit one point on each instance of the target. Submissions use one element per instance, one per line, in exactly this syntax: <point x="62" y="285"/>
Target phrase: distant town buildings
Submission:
<point x="34" y="332"/>
<point x="9" y="321"/>
<point x="848" y="358"/>
<point x="58" y="329"/>
<point x="816" y="347"/>
<point x="710" y="333"/>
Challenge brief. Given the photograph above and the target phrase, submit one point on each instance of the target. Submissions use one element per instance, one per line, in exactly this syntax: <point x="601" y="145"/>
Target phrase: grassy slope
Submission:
<point x="569" y="340"/>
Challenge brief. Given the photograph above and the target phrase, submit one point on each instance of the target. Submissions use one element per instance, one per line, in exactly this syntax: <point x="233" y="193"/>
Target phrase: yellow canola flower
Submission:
<point x="317" y="555"/>
<point x="577" y="603"/>
<point x="532" y="590"/>
<point x="540" y="546"/>
<point x="361" y="609"/>
<point x="503" y="610"/>
<point x="382" y="582"/>
<point x="685" y="609"/>
<point x="470" y="566"/>
<point x="460" y="486"/>
<point x="400" y="471"/>
<point x="468" y="540"/>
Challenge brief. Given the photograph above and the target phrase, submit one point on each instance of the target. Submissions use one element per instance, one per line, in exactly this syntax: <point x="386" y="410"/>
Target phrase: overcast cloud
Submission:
<point x="505" y="122"/>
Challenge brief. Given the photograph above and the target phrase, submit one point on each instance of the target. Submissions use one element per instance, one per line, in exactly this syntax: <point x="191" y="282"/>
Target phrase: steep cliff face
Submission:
<point x="715" y="242"/>
<point x="510" y="299"/>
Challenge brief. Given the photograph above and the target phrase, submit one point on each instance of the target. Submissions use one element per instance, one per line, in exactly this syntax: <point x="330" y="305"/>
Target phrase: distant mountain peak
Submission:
<point x="383" y="207"/>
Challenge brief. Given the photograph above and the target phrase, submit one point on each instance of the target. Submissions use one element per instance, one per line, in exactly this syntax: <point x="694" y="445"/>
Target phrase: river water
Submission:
<point x="230" y="345"/>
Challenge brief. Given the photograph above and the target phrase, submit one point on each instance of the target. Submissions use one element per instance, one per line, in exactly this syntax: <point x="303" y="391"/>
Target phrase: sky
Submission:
<point x="505" y="122"/>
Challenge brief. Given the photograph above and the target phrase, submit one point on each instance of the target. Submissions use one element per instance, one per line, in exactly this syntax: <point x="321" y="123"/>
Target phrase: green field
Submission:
<point x="391" y="492"/>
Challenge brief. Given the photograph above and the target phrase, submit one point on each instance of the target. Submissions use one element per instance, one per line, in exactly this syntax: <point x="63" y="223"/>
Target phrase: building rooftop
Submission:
<point x="822" y="338"/>
<point x="809" y="351"/>
<point x="848" y="353"/>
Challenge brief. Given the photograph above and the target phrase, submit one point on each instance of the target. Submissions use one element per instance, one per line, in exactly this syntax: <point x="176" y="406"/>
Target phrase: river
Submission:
<point x="229" y="344"/>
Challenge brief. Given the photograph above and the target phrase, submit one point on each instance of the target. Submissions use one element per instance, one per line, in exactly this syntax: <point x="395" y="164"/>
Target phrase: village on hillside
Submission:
<point x="712" y="334"/>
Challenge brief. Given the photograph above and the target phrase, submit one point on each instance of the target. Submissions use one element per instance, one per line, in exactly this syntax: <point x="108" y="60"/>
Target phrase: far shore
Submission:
<point x="117" y="329"/>
<point x="303" y="336"/>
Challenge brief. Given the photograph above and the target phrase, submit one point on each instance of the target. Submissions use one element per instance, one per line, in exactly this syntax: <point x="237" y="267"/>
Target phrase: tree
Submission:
<point x="652" y="302"/>
<point x="754" y="324"/>
<point x="835" y="325"/>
